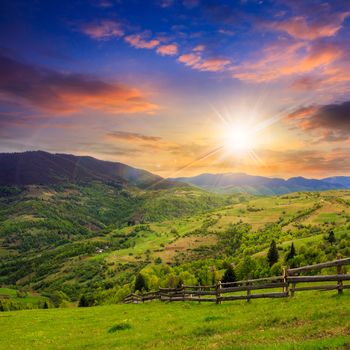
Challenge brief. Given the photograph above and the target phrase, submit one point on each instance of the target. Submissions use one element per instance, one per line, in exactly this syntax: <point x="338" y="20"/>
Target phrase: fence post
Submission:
<point x="199" y="295"/>
<point x="218" y="295"/>
<point x="339" y="272"/>
<point x="248" y="292"/>
<point x="285" y="280"/>
<point x="183" y="292"/>
<point x="293" y="289"/>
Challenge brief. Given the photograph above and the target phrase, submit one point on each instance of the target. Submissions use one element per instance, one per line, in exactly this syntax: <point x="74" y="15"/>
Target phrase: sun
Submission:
<point x="238" y="139"/>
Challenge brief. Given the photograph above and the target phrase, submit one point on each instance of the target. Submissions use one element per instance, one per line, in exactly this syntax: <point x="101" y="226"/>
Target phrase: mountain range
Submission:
<point x="260" y="185"/>
<point x="43" y="168"/>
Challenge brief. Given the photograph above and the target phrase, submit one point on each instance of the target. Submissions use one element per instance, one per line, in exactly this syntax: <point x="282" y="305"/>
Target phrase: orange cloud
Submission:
<point x="137" y="40"/>
<point x="102" y="30"/>
<point x="131" y="136"/>
<point x="167" y="50"/>
<point x="195" y="61"/>
<point x="299" y="27"/>
<point x="284" y="59"/>
<point x="67" y="93"/>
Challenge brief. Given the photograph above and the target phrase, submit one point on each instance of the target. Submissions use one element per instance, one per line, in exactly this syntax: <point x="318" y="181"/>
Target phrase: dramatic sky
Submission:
<point x="180" y="87"/>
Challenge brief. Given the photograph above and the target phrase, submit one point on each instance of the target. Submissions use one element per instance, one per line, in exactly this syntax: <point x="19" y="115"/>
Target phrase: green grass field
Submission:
<point x="308" y="321"/>
<point x="25" y="298"/>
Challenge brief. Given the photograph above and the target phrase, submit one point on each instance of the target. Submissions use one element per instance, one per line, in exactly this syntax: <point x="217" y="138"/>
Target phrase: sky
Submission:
<point x="180" y="87"/>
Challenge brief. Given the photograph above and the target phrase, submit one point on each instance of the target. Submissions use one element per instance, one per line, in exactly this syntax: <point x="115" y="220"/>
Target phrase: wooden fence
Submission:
<point x="269" y="287"/>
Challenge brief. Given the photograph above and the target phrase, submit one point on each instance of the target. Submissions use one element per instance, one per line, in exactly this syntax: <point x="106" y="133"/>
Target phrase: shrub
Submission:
<point x="119" y="327"/>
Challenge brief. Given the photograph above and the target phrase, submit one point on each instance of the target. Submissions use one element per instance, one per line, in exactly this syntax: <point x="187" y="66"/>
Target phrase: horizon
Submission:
<point x="195" y="175"/>
<point x="180" y="87"/>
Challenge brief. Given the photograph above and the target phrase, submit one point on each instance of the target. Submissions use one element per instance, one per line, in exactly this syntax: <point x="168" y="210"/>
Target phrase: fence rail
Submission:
<point x="281" y="286"/>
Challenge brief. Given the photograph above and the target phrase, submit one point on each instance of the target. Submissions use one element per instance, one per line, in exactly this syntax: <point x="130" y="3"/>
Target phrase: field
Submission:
<point x="307" y="321"/>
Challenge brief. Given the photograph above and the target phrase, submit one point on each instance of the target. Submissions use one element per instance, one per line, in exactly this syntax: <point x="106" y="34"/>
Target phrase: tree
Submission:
<point x="140" y="283"/>
<point x="158" y="260"/>
<point x="229" y="275"/>
<point x="246" y="269"/>
<point x="292" y="253"/>
<point x="45" y="306"/>
<point x="272" y="255"/>
<point x="83" y="302"/>
<point x="331" y="237"/>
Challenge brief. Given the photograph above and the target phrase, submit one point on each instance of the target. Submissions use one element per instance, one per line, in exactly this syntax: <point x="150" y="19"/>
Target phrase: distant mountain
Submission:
<point x="342" y="180"/>
<point x="43" y="168"/>
<point x="240" y="182"/>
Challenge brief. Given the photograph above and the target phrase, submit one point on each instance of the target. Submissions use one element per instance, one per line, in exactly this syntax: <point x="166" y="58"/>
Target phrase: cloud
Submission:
<point x="101" y="148"/>
<point x="308" y="161"/>
<point x="167" y="50"/>
<point x="195" y="61"/>
<point x="103" y="30"/>
<point x="285" y="59"/>
<point x="131" y="136"/>
<point x="199" y="48"/>
<point x="138" y="41"/>
<point x="309" y="29"/>
<point x="66" y="92"/>
<point x="226" y="32"/>
<point x="331" y="122"/>
<point x="306" y="82"/>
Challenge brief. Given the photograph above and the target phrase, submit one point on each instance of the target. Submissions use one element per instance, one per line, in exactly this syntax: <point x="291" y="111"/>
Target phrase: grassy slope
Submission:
<point x="307" y="321"/>
<point x="26" y="298"/>
<point x="331" y="214"/>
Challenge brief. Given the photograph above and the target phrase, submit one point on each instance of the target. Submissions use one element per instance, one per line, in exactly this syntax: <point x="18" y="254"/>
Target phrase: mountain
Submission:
<point x="342" y="180"/>
<point x="43" y="168"/>
<point x="240" y="182"/>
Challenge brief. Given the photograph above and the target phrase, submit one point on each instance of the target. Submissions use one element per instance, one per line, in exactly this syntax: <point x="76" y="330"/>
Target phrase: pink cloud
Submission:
<point x="195" y="61"/>
<point x="138" y="41"/>
<point x="189" y="59"/>
<point x="299" y="27"/>
<point x="102" y="30"/>
<point x="290" y="59"/>
<point x="167" y="50"/>
<point x="199" y="48"/>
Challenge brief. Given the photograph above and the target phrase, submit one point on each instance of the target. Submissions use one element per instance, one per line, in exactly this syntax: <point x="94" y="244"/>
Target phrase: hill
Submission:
<point x="260" y="185"/>
<point x="42" y="168"/>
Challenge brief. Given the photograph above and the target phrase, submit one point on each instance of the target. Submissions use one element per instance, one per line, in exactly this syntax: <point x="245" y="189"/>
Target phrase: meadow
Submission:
<point x="307" y="321"/>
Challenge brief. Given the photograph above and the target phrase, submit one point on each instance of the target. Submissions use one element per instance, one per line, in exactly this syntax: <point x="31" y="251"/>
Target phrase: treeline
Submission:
<point x="237" y="263"/>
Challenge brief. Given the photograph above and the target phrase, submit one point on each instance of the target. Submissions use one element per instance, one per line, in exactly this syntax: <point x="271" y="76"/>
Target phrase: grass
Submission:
<point x="307" y="321"/>
<point x="27" y="298"/>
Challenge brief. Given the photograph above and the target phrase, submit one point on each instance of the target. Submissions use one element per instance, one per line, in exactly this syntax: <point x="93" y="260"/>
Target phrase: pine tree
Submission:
<point x="140" y="283"/>
<point x="331" y="237"/>
<point x="272" y="255"/>
<point x="83" y="302"/>
<point x="229" y="275"/>
<point x="292" y="253"/>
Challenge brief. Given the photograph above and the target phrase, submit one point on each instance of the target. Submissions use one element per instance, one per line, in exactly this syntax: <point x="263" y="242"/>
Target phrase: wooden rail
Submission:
<point x="281" y="286"/>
